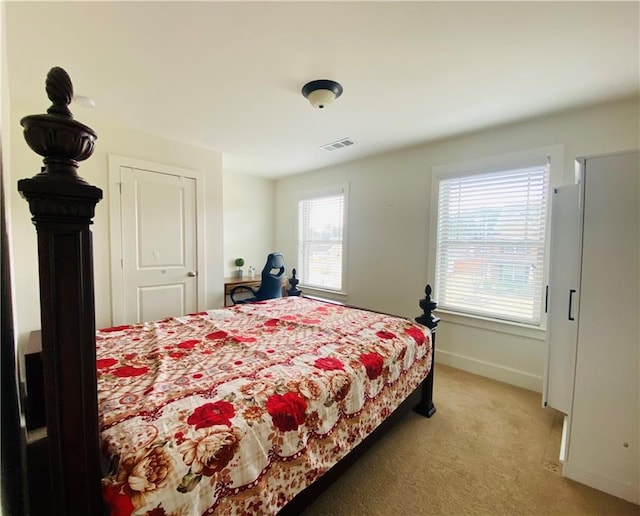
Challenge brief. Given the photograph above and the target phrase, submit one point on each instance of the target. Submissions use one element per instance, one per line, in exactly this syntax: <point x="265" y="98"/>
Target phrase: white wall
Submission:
<point x="124" y="142"/>
<point x="5" y="142"/>
<point x="249" y="214"/>
<point x="389" y="209"/>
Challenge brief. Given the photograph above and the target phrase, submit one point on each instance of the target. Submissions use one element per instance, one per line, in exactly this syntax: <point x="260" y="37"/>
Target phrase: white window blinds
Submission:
<point x="320" y="241"/>
<point x="491" y="243"/>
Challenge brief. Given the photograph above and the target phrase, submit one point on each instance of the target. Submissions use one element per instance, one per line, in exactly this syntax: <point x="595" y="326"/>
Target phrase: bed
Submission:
<point x="252" y="409"/>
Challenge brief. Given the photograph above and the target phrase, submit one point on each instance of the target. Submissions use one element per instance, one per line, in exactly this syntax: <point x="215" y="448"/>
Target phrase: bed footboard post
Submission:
<point x="62" y="205"/>
<point x="426" y="406"/>
<point x="293" y="285"/>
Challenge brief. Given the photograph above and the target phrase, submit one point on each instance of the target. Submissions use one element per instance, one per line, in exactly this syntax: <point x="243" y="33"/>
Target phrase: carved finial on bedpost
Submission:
<point x="293" y="282"/>
<point x="428" y="305"/>
<point x="60" y="92"/>
<point x="56" y="136"/>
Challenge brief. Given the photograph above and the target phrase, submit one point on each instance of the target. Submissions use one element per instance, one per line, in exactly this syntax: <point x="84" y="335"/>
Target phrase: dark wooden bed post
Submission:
<point x="426" y="406"/>
<point x="293" y="285"/>
<point x="62" y="205"/>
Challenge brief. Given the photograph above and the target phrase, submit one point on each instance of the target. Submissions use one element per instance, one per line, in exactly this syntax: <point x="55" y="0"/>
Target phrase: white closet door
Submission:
<point x="159" y="245"/>
<point x="562" y="298"/>
<point x="603" y="446"/>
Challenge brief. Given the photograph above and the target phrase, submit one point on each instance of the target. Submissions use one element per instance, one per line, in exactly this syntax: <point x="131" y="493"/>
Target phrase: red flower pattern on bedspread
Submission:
<point x="373" y="363"/>
<point x="119" y="502"/>
<point x="328" y="363"/>
<point x="234" y="411"/>
<point x="210" y="414"/>
<point x="106" y="363"/>
<point x="287" y="410"/>
<point x="417" y="334"/>
<point x="126" y="371"/>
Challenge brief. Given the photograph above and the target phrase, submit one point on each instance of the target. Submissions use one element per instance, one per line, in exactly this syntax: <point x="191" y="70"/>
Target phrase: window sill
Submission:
<point x="511" y="328"/>
<point x="323" y="293"/>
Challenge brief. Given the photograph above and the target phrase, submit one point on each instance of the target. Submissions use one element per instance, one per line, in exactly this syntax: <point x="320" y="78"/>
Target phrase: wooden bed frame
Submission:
<point x="63" y="205"/>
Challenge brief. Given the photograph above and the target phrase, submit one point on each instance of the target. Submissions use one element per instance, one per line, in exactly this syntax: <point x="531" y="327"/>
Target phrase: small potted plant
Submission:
<point x="239" y="263"/>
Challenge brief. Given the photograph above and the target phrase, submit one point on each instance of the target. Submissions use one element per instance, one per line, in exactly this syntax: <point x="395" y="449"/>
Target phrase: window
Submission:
<point x="491" y="241"/>
<point x="321" y="240"/>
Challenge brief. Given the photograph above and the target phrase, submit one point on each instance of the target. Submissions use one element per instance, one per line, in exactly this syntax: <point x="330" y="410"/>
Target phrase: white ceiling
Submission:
<point x="228" y="75"/>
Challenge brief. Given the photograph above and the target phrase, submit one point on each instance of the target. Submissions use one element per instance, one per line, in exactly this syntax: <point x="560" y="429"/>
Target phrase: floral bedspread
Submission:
<point x="235" y="411"/>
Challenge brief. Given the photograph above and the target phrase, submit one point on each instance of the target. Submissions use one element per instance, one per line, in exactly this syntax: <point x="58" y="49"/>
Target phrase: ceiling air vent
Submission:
<point x="340" y="144"/>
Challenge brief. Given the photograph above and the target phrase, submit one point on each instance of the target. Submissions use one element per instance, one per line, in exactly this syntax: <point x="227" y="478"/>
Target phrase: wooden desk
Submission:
<point x="229" y="283"/>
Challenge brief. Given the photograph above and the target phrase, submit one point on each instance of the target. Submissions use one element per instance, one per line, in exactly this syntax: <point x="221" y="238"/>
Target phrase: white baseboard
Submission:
<point x="496" y="372"/>
<point x="602" y="483"/>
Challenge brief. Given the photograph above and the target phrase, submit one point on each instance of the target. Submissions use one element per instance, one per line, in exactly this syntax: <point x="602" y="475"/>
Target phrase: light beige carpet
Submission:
<point x="489" y="449"/>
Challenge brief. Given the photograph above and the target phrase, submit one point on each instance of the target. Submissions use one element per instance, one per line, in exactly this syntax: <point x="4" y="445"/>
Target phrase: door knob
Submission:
<point x="192" y="274"/>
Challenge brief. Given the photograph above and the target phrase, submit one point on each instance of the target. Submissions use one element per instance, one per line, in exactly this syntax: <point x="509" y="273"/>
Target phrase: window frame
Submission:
<point x="511" y="161"/>
<point x="318" y="193"/>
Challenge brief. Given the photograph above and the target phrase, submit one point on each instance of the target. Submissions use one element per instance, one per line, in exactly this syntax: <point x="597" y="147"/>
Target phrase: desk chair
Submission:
<point x="270" y="286"/>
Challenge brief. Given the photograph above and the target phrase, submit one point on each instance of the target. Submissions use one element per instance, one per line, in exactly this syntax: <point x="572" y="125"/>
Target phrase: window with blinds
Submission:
<point x="321" y="241"/>
<point x="490" y="252"/>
